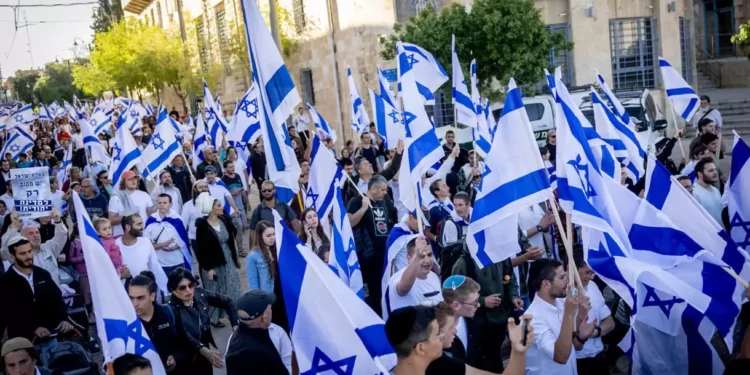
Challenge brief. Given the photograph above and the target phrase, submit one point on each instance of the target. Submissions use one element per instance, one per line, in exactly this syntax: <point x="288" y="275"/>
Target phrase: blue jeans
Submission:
<point x="168" y="270"/>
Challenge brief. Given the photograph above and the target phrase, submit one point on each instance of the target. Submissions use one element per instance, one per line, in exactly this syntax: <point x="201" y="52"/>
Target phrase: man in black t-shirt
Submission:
<point x="372" y="218"/>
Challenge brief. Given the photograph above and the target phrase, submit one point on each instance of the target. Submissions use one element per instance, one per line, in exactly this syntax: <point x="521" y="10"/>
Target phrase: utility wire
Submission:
<point x="48" y="5"/>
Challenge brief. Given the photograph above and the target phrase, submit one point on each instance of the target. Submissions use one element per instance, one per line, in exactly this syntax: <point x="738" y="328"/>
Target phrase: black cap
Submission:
<point x="255" y="302"/>
<point x="210" y="168"/>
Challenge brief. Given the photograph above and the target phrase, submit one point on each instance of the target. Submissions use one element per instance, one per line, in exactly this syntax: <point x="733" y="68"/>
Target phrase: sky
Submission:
<point x="52" y="32"/>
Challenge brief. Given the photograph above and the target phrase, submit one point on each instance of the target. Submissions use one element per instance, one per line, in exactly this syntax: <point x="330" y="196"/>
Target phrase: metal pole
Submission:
<point x="334" y="67"/>
<point x="274" y="18"/>
<point x="183" y="36"/>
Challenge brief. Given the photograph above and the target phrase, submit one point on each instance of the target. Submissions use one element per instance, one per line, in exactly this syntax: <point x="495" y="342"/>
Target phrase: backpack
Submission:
<point x="450" y="255"/>
<point x="68" y="358"/>
<point x="439" y="232"/>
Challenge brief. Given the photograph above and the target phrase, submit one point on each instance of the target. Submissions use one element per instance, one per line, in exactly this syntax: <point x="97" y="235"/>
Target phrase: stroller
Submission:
<point x="68" y="358"/>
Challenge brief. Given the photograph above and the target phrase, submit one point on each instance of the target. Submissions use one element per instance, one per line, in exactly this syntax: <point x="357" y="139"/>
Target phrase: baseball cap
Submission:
<point x="255" y="302"/>
<point x="128" y="175"/>
<point x="210" y="168"/>
<point x="14" y="344"/>
<point x="63" y="135"/>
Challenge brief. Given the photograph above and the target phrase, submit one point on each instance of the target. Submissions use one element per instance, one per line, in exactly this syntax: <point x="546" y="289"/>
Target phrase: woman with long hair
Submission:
<point x="263" y="270"/>
<point x="216" y="251"/>
<point x="312" y="232"/>
<point x="191" y="310"/>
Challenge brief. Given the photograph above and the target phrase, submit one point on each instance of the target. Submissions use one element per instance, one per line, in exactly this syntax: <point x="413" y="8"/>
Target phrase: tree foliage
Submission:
<point x="105" y="15"/>
<point x="91" y="80"/>
<point x="23" y="84"/>
<point x="57" y="82"/>
<point x="507" y="38"/>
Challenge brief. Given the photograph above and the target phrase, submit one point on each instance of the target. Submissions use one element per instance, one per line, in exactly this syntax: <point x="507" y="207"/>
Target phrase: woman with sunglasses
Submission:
<point x="191" y="310"/>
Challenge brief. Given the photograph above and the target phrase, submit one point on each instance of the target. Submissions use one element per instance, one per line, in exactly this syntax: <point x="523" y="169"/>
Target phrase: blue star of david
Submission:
<point x="583" y="175"/>
<point x="351" y="267"/>
<point x="118" y="150"/>
<point x="406" y="119"/>
<point x="652" y="299"/>
<point x="19" y="118"/>
<point x="322" y="363"/>
<point x="14" y="147"/>
<point x="245" y="107"/>
<point x="486" y="173"/>
<point x="93" y="123"/>
<point x="314" y="197"/>
<point x="412" y="60"/>
<point x="120" y="329"/>
<point x="737" y="222"/>
<point x="157" y="142"/>
<point x="209" y="115"/>
<point x="133" y="113"/>
<point x="394" y="116"/>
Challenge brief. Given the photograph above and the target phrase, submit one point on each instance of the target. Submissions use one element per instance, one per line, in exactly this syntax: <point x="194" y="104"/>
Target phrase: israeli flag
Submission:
<point x="619" y="110"/>
<point x="331" y="327"/>
<point x="552" y="174"/>
<point x="163" y="146"/>
<point x="689" y="171"/>
<point x="217" y="126"/>
<point x="398" y="237"/>
<point x="429" y="75"/>
<point x="44" y="113"/>
<point x="218" y="103"/>
<point x="200" y="142"/>
<point x="386" y="91"/>
<point x="684" y="100"/>
<point x="72" y="112"/>
<point x="321" y="125"/>
<point x="22" y="117"/>
<point x="125" y="155"/>
<point x="4" y="115"/>
<point x="360" y="119"/>
<point x="173" y="221"/>
<point x="422" y="148"/>
<point x="739" y="186"/>
<point x="278" y="99"/>
<point x="465" y="110"/>
<point x="623" y="140"/>
<point x="551" y="82"/>
<point x="101" y="121"/>
<point x="104" y="105"/>
<point x="120" y="329"/>
<point x="514" y="178"/>
<point x="343" y="256"/>
<point x="481" y="134"/>
<point x="67" y="161"/>
<point x="387" y="120"/>
<point x="490" y="118"/>
<point x="54" y="108"/>
<point x="18" y="141"/>
<point x="96" y="151"/>
<point x="245" y="127"/>
<point x="325" y="173"/>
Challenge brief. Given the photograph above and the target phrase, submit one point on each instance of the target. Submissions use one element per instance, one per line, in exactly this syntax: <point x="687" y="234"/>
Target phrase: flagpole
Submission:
<point x="420" y="224"/>
<point x="347" y="176"/>
<point x="567" y="244"/>
<point x="677" y="130"/>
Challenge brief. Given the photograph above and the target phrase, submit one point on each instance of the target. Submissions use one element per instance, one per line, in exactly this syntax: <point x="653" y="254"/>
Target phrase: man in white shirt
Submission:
<point x="469" y="168"/>
<point x="138" y="253"/>
<point x="704" y="191"/>
<point x="534" y="222"/>
<point x="705" y="111"/>
<point x="588" y="360"/>
<point x="56" y="195"/>
<point x="218" y="190"/>
<point x="167" y="187"/>
<point x="47" y="254"/>
<point x="127" y="199"/>
<point x="456" y="225"/>
<point x="302" y="125"/>
<point x="555" y="310"/>
<point x="414" y="284"/>
<point x="167" y="233"/>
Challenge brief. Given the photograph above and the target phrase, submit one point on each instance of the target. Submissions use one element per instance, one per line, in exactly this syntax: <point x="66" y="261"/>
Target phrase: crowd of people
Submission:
<point x="177" y="241"/>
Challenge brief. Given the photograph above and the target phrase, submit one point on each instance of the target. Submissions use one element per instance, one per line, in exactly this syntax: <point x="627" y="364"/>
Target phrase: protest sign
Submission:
<point x="31" y="193"/>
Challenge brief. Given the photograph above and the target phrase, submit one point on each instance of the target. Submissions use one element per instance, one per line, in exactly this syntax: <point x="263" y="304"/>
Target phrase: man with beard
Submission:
<point x="127" y="199"/>
<point x="37" y="304"/>
<point x="555" y="309"/>
<point x="264" y="210"/>
<point x="8" y="196"/>
<point x="166" y="187"/>
<point x="704" y="191"/>
<point x="47" y="254"/>
<point x="4" y="175"/>
<point x="138" y="253"/>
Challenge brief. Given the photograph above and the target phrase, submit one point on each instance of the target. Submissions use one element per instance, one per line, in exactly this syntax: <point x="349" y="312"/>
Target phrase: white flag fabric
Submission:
<point x="465" y="110"/>
<point x="623" y="140"/>
<point x="97" y="153"/>
<point x="278" y="99"/>
<point x="217" y="126"/>
<point x="163" y="147"/>
<point x="125" y="155"/>
<point x="343" y="258"/>
<point x="321" y="125"/>
<point x="429" y="75"/>
<point x="22" y="117"/>
<point x="514" y="178"/>
<point x="481" y="134"/>
<point x="101" y="121"/>
<point x="18" y="141"/>
<point x="386" y="91"/>
<point x="325" y="173"/>
<point x="360" y="119"/>
<point x="331" y="327"/>
<point x="200" y="141"/>
<point x="44" y="113"/>
<point x="683" y="98"/>
<point x="739" y="186"/>
<point x="245" y="127"/>
<point x="120" y="329"/>
<point x="387" y="120"/>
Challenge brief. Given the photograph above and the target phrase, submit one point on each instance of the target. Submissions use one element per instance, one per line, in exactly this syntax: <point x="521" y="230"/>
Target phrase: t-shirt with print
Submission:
<point x="233" y="183"/>
<point x="375" y="221"/>
<point x="428" y="289"/>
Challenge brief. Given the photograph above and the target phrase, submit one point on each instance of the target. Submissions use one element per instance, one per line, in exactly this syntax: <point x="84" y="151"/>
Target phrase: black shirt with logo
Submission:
<point x="372" y="231"/>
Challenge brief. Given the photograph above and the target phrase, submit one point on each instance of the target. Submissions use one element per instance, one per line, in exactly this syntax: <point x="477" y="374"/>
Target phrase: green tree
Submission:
<point x="506" y="37"/>
<point x="105" y="15"/>
<point x="57" y="82"/>
<point x="91" y="80"/>
<point x="742" y="38"/>
<point x="23" y="84"/>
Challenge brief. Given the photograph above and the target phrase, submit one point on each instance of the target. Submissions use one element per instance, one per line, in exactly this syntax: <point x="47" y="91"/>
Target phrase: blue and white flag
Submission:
<point x="217" y="125"/>
<point x="325" y="173"/>
<point x="174" y="222"/>
<point x="739" y="201"/>
<point x="343" y="256"/>
<point x="120" y="329"/>
<point x="4" y="115"/>
<point x="481" y="134"/>
<point x="683" y="98"/>
<point x="200" y="141"/>
<point x="67" y="162"/>
<point x="125" y="155"/>
<point x="22" y="117"/>
<point x="218" y="103"/>
<point x="72" y="112"/>
<point x="18" y="141"/>
<point x="386" y="91"/>
<point x="422" y="148"/>
<point x="163" y="147"/>
<point x="398" y="237"/>
<point x="245" y="127"/>
<point x="429" y="75"/>
<point x="54" y="108"/>
<point x="220" y="191"/>
<point x="623" y="140"/>
<point x="95" y="150"/>
<point x="44" y="113"/>
<point x="514" y="178"/>
<point x="466" y="113"/>
<point x="387" y="121"/>
<point x="552" y="174"/>
<point x="617" y="107"/>
<point x="331" y="327"/>
<point x="360" y="119"/>
<point x="551" y="82"/>
<point x="278" y="99"/>
<point x="321" y="125"/>
<point x="101" y="121"/>
<point x="490" y="118"/>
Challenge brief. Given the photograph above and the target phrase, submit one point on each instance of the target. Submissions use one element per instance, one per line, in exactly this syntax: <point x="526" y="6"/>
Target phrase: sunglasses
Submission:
<point x="185" y="287"/>
<point x="267" y="190"/>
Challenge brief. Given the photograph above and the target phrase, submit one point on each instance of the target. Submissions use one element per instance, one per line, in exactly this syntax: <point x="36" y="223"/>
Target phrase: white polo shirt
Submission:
<point x="599" y="311"/>
<point x="547" y="324"/>
<point x="428" y="289"/>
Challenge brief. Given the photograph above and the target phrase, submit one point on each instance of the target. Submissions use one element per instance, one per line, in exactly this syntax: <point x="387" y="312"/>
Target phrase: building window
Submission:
<point x="686" y="55"/>
<point x="221" y="30"/>
<point x="298" y="7"/>
<point x="202" y="47"/>
<point x="153" y="18"/>
<point x="561" y="58"/>
<point x="406" y="9"/>
<point x="160" y="21"/>
<point x="632" y="51"/>
<point x="306" y="81"/>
